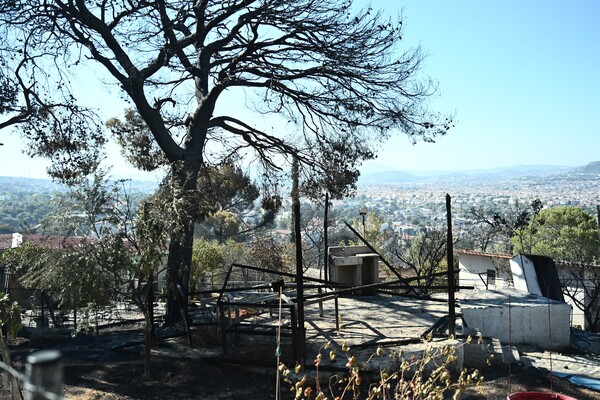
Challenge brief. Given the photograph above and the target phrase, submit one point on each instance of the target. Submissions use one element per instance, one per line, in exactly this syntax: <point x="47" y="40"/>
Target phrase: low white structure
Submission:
<point x="514" y="309"/>
<point x="516" y="317"/>
<point x="524" y="276"/>
<point x="354" y="266"/>
<point x="479" y="270"/>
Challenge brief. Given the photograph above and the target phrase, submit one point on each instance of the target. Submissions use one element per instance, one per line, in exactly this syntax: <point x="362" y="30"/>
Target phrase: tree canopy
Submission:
<point x="562" y="233"/>
<point x="332" y="75"/>
<point x="334" y="70"/>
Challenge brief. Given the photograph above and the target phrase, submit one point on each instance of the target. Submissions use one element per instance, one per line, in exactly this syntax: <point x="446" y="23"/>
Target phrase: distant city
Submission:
<point x="409" y="202"/>
<point x="412" y="202"/>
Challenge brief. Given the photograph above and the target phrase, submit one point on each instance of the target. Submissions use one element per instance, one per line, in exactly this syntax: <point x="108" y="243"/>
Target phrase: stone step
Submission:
<point x="490" y="353"/>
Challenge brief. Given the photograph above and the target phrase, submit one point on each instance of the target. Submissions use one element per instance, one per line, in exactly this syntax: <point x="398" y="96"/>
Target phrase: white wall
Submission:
<point x="519" y="319"/>
<point x="471" y="266"/>
<point x="524" y="275"/>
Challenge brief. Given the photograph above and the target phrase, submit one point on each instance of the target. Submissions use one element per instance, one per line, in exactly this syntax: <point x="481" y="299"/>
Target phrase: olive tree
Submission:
<point x="563" y="233"/>
<point x="332" y="75"/>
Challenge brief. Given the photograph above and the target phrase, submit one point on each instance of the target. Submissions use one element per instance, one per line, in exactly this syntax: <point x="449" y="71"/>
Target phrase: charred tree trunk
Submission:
<point x="179" y="262"/>
<point x="149" y="335"/>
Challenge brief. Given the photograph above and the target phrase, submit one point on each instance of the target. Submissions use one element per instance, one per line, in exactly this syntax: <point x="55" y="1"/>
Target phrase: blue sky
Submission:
<point x="521" y="77"/>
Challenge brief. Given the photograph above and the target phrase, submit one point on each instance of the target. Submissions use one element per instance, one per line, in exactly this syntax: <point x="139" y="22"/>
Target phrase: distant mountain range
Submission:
<point x="377" y="177"/>
<point x="394" y="176"/>
<point x="34" y="185"/>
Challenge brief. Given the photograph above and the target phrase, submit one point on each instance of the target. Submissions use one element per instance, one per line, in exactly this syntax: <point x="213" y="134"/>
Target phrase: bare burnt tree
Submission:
<point x="487" y="229"/>
<point x="581" y="283"/>
<point x="334" y="73"/>
<point x="494" y="225"/>
<point x="424" y="255"/>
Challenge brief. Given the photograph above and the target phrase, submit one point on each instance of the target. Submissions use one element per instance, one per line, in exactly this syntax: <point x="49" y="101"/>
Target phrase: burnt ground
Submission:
<point x="92" y="370"/>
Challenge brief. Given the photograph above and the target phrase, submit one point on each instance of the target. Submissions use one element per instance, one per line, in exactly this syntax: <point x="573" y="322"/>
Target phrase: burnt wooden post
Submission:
<point x="325" y="249"/>
<point x="451" y="282"/>
<point x="325" y="238"/>
<point x="44" y="374"/>
<point x="299" y="264"/>
<point x="295" y="338"/>
<point x="223" y="324"/>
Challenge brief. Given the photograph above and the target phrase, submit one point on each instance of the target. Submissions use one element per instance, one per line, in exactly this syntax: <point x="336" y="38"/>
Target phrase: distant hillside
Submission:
<point x="386" y="177"/>
<point x="25" y="203"/>
<point x="391" y="177"/>
<point x="525" y="169"/>
<point x="591" y="168"/>
<point x="10" y="184"/>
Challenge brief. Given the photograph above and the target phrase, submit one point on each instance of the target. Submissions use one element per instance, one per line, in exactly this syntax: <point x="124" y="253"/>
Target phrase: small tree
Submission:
<point x="148" y="240"/>
<point x="73" y="272"/>
<point x="208" y="257"/>
<point x="424" y="256"/>
<point x="581" y="284"/>
<point x="116" y="256"/>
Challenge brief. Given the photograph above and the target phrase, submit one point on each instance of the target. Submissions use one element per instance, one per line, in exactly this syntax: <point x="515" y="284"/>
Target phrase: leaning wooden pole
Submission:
<point x="299" y="265"/>
<point x="451" y="282"/>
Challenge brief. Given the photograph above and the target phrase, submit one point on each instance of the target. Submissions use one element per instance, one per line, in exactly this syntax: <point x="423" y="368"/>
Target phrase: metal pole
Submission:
<point x="44" y="374"/>
<point x="451" y="282"/>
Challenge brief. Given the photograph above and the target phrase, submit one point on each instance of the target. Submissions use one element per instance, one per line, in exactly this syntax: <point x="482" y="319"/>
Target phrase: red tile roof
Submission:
<point x="483" y="254"/>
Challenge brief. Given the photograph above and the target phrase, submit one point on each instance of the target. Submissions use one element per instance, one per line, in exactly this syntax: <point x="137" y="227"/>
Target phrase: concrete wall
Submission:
<point x="519" y="319"/>
<point x="353" y="265"/>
